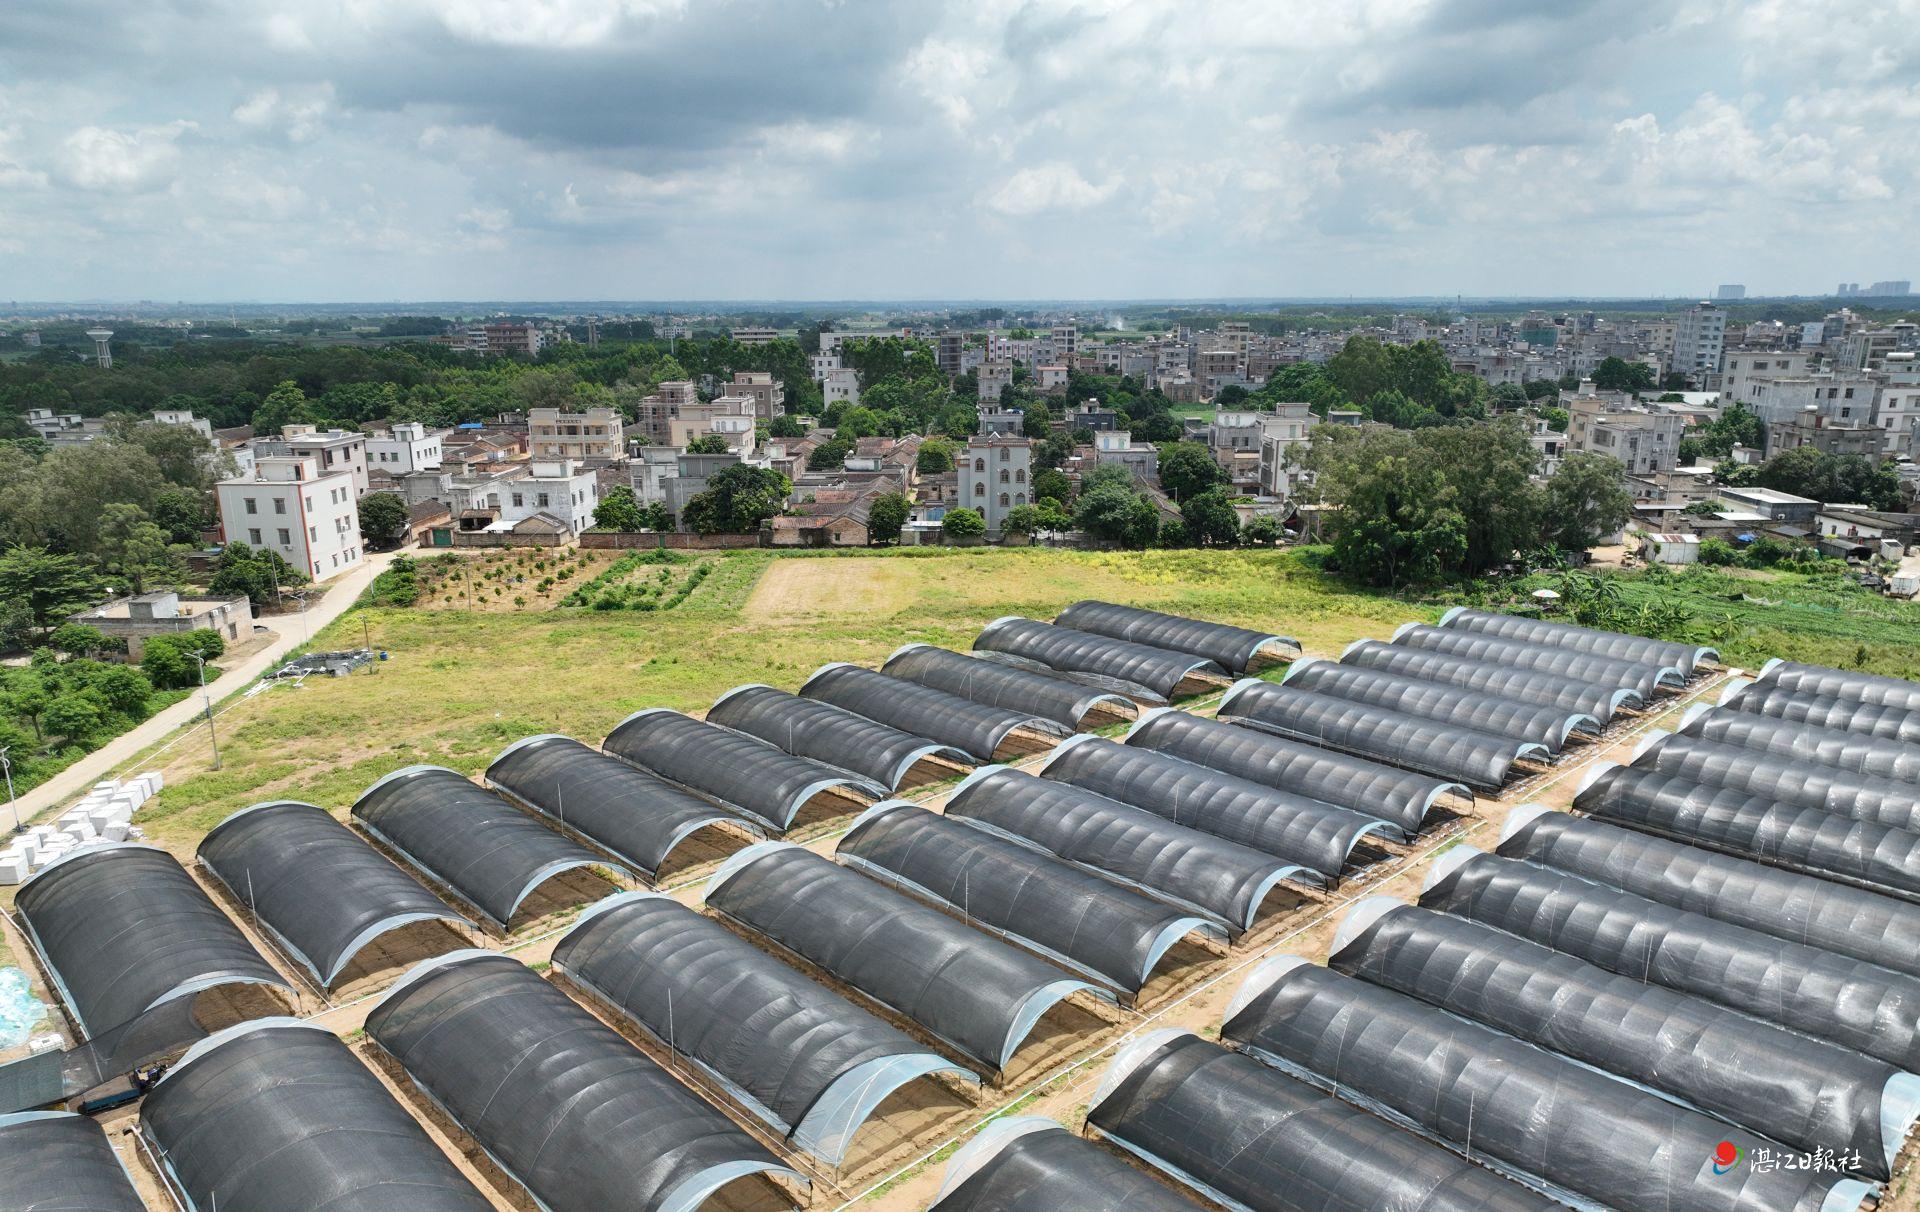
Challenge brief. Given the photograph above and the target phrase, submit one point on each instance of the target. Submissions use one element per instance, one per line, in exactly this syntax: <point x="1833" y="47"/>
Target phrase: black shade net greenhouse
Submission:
<point x="1402" y="797"/>
<point x="1030" y="1164"/>
<point x="123" y="929"/>
<point x="1493" y="714"/>
<point x="279" y="1116"/>
<point x="1098" y="928"/>
<point x="55" y="1161"/>
<point x="1248" y="1136"/>
<point x="1000" y="685"/>
<point x="1160" y="671"/>
<point x="1841" y="684"/>
<point x="1863" y="797"/>
<point x="1235" y="649"/>
<point x="1448" y="751"/>
<point x="1684" y="657"/>
<point x="483" y="849"/>
<point x="1641" y="677"/>
<point x="314" y="884"/>
<point x="1821" y="994"/>
<point x="979" y="995"/>
<point x="1514" y="1105"/>
<point x="578" y="1115"/>
<point x="923" y="711"/>
<point x="1751" y="826"/>
<point x="1823" y="711"/>
<point x="795" y="1054"/>
<point x="1881" y="757"/>
<point x="1183" y="866"/>
<point x="634" y="815"/>
<point x="844" y="739"/>
<point x="1490" y="677"/>
<point x="1293" y="827"/>
<point x="1821" y="913"/>
<point x="755" y="779"/>
<point x="1807" y="1094"/>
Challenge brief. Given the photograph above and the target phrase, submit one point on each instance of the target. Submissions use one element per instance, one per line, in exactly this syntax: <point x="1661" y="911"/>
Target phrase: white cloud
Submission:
<point x="126" y="160"/>
<point x="1048" y="187"/>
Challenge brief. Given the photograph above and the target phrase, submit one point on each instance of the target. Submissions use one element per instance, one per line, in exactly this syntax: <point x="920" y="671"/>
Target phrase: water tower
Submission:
<point x="102" y="352"/>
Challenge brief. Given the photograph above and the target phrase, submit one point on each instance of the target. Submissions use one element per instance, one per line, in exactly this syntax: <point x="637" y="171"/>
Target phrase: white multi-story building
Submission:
<point x="594" y="433"/>
<point x="185" y="417"/>
<point x="995" y="476"/>
<point x="331" y="449"/>
<point x="560" y="488"/>
<point x="824" y="364"/>
<point x="993" y="378"/>
<point x="404" y="449"/>
<point x="294" y="506"/>
<point x="1744" y="367"/>
<point x="1281" y="433"/>
<point x="1898" y="410"/>
<point x="1699" y="335"/>
<point x="1847" y="399"/>
<point x="841" y="386"/>
<point x="1066" y="343"/>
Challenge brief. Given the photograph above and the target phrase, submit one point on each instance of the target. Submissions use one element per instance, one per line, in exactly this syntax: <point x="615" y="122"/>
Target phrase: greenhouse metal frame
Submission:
<point x="1528" y="685"/>
<point x="485" y="852"/>
<point x="1028" y="1163"/>
<point x="1685" y="657"/>
<point x="973" y="992"/>
<point x="1863" y="797"/>
<point x="1252" y="1139"/>
<point x="792" y="1053"/>
<point x="580" y="1117"/>
<point x="1157" y="670"/>
<point x="636" y="817"/>
<point x="1820" y="681"/>
<point x="1532" y="1113"/>
<point x="812" y="728"/>
<point x="1494" y="714"/>
<point x="1237" y="650"/>
<point x="1451" y="752"/>
<point x="121" y="930"/>
<point x="1182" y="866"/>
<point x="1097" y="928"/>
<point x="1312" y="832"/>
<point x="278" y="1115"/>
<point x="745" y="774"/>
<point x="1644" y="678"/>
<point x="1405" y="798"/>
<point x="1821" y="994"/>
<point x="314" y="885"/>
<point x="58" y="1160"/>
<point x="1825" y="711"/>
<point x="947" y="719"/>
<point x="1074" y="705"/>
<point x="1856" y="752"/>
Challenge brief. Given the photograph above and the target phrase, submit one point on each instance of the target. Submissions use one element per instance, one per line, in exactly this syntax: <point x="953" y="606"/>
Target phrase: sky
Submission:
<point x="375" y="150"/>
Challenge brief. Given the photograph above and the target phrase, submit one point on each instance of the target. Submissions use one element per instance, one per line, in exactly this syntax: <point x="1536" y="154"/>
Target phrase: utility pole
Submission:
<point x="6" y="764"/>
<point x="366" y="638"/>
<point x="208" y="700"/>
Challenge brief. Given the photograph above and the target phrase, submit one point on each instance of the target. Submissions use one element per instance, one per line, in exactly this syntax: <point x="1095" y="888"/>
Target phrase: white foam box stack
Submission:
<point x="105" y="814"/>
<point x="13" y="866"/>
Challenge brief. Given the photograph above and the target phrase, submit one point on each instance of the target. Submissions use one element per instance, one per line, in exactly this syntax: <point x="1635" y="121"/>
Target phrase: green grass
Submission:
<point x="462" y="685"/>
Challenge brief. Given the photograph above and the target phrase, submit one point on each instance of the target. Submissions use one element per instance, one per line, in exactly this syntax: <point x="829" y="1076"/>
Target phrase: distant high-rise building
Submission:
<point x="947" y="350"/>
<point x="1731" y="290"/>
<point x="1891" y="289"/>
<point x="1699" y="335"/>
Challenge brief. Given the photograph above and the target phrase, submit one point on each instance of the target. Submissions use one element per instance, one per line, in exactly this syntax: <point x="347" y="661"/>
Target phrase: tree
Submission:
<point x="886" y="516"/>
<point x="1023" y="519"/>
<point x="1036" y="420"/>
<point x="1263" y="530"/>
<point x="829" y="456"/>
<point x="181" y="512"/>
<point x="618" y="510"/>
<point x="1556" y="418"/>
<point x="1586" y="500"/>
<point x="1210" y="519"/>
<point x="936" y="457"/>
<point x="285" y="405"/>
<point x="50" y="586"/>
<point x="656" y="516"/>
<point x="1618" y="374"/>
<point x="1187" y="469"/>
<point x="1052" y="515"/>
<point x="383" y="520"/>
<point x="78" y="640"/>
<point x="737" y="500"/>
<point x="1831" y="478"/>
<point x="708" y="444"/>
<point x="1052" y="482"/>
<point x="258" y="575"/>
<point x="963" y="524"/>
<point x="1105" y="510"/>
<point x="73" y="716"/>
<point x="786" y="425"/>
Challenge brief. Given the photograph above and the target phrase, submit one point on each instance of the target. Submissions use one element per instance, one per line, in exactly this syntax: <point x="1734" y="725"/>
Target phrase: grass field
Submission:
<point x="462" y="685"/>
